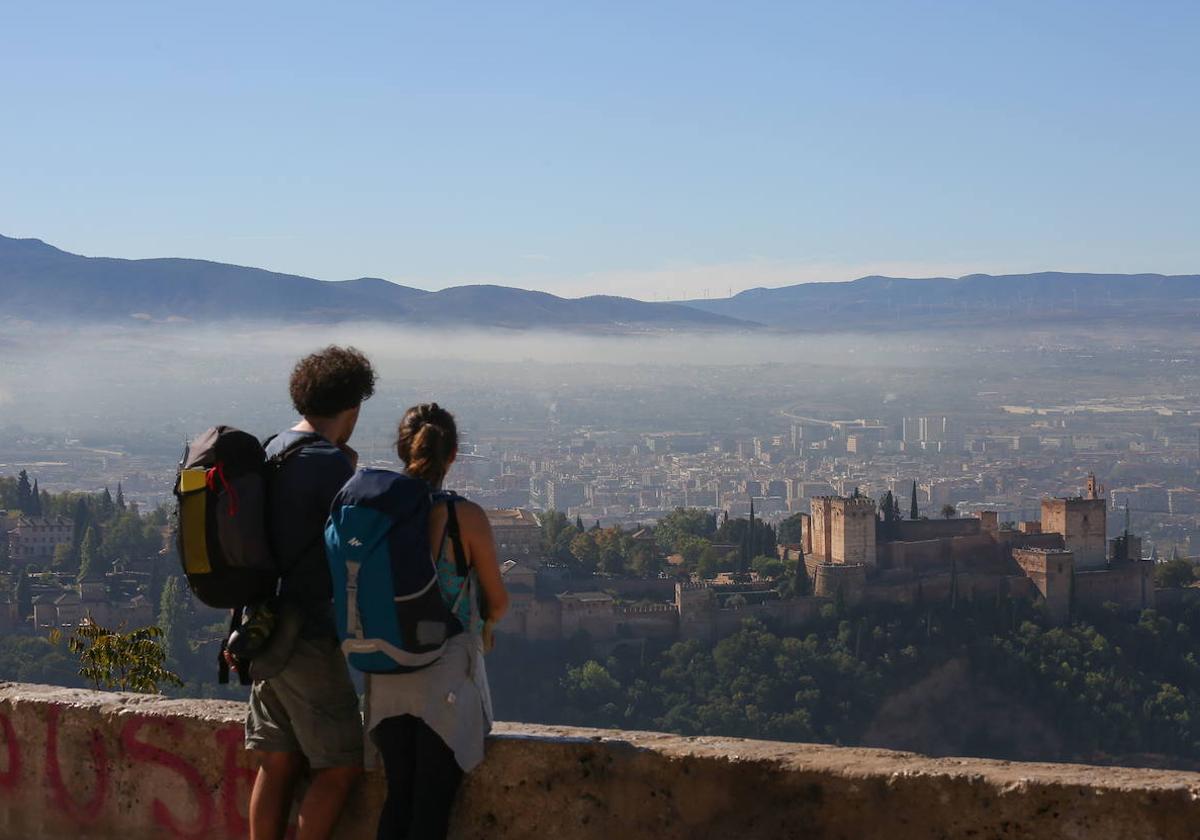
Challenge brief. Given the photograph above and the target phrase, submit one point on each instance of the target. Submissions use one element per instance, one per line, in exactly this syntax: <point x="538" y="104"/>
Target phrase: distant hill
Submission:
<point x="39" y="281"/>
<point x="976" y="300"/>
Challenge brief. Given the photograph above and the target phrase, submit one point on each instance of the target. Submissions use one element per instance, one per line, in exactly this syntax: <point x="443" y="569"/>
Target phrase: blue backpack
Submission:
<point x="389" y="609"/>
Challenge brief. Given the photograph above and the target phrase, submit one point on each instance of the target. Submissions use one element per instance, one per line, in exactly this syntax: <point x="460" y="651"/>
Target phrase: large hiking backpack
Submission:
<point x="221" y="488"/>
<point x="388" y="605"/>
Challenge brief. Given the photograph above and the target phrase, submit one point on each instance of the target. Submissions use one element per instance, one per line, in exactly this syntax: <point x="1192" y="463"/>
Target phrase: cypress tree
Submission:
<point x="80" y="520"/>
<point x="24" y="596"/>
<point x="120" y="497"/>
<point x="24" y="492"/>
<point x="171" y="621"/>
<point x="35" y="501"/>
<point x="913" y="513"/>
<point x="89" y="561"/>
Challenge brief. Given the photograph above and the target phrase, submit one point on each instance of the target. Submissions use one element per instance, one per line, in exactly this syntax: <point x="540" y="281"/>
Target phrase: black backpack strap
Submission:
<point x="295" y="446"/>
<point x="460" y="555"/>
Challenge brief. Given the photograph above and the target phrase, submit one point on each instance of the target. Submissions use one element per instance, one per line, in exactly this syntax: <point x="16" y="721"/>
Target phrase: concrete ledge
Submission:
<point x="82" y="764"/>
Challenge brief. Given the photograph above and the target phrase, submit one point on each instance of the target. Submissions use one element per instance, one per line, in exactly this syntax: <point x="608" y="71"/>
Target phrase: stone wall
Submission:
<point x="1128" y="585"/>
<point x="89" y="765"/>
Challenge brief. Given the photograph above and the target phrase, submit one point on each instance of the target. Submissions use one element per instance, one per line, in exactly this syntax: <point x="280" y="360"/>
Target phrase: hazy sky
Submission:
<point x="648" y="148"/>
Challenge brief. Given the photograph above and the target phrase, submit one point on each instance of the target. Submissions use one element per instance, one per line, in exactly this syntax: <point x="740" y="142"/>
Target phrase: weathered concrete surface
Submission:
<point x="81" y="764"/>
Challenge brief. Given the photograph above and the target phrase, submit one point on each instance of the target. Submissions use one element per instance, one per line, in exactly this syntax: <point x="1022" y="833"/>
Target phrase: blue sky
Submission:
<point x="653" y="149"/>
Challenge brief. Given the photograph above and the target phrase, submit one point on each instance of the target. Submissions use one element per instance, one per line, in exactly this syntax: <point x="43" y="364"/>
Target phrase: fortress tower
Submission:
<point x="843" y="530"/>
<point x="697" y="606"/>
<point x="1082" y="521"/>
<point x="1052" y="572"/>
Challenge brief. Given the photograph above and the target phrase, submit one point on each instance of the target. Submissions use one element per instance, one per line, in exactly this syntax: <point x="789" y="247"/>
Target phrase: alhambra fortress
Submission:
<point x="849" y="553"/>
<point x="84" y="764"/>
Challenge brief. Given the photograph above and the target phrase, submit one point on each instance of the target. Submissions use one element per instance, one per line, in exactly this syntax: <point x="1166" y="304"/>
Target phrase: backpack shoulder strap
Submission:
<point x="455" y="534"/>
<point x="295" y="446"/>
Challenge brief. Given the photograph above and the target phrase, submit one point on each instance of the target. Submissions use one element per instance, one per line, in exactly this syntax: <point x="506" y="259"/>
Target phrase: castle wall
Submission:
<point x="659" y="621"/>
<point x="919" y="530"/>
<point x="543" y="621"/>
<point x="830" y="581"/>
<point x="791" y="613"/>
<point x="655" y="589"/>
<point x="1128" y="585"/>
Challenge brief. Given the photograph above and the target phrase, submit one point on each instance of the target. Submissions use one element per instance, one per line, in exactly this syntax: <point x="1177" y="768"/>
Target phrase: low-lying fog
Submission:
<point x="156" y="384"/>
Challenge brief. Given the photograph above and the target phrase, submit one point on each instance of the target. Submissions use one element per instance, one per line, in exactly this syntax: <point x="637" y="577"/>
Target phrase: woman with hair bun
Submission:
<point x="429" y="724"/>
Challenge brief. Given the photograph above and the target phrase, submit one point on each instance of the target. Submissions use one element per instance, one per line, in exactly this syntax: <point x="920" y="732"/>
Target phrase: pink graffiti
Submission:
<point x="85" y="812"/>
<point x="228" y="818"/>
<point x="12" y="774"/>
<point x="141" y="751"/>
<point x="231" y="738"/>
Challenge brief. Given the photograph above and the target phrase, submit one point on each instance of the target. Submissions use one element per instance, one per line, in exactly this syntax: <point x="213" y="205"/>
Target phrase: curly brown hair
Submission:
<point x="328" y="382"/>
<point x="426" y="441"/>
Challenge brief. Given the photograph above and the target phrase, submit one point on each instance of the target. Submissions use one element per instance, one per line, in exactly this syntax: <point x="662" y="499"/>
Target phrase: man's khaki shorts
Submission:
<point x="310" y="707"/>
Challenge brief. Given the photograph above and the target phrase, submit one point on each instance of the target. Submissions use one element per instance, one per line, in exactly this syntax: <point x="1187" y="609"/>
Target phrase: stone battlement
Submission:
<point x="91" y="765"/>
<point x="865" y="502"/>
<point x="639" y="609"/>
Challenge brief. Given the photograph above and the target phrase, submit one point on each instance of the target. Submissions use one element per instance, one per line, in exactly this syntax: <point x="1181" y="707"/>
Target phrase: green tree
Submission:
<point x="643" y="562"/>
<point x="120" y="498"/>
<point x="171" y="619"/>
<point x="712" y="560"/>
<point x="681" y="524"/>
<point x="790" y="530"/>
<point x="133" y="661"/>
<point x="24" y="596"/>
<point x="107" y="506"/>
<point x="585" y="551"/>
<point x="89" y="557"/>
<point x="949" y="511"/>
<point x="81" y="515"/>
<point x="24" y="493"/>
<point x="769" y="567"/>
<point x="591" y="687"/>
<point x="62" y="557"/>
<point x="612" y="550"/>
<point x="35" y="501"/>
<point x="1174" y="574"/>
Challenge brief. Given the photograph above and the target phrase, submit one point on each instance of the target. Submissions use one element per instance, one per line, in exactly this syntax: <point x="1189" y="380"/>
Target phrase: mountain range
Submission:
<point x="977" y="300"/>
<point x="41" y="282"/>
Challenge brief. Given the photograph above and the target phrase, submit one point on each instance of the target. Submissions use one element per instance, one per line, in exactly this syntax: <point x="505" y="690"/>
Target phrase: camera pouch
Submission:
<point x="274" y="657"/>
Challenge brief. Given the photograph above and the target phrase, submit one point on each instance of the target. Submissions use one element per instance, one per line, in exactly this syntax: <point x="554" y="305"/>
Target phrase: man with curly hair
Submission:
<point x="303" y="706"/>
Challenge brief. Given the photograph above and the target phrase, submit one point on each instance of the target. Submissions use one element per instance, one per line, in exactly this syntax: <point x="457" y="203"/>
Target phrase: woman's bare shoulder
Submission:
<point x="471" y="512"/>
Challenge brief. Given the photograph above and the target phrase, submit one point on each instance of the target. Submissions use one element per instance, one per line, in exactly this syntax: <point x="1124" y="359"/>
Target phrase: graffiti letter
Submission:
<point x="82" y="812"/>
<point x="141" y="751"/>
<point x="232" y="738"/>
<point x="11" y="775"/>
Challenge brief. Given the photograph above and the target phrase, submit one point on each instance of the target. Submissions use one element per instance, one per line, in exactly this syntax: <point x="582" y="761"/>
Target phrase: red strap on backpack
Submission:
<point x="210" y="480"/>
